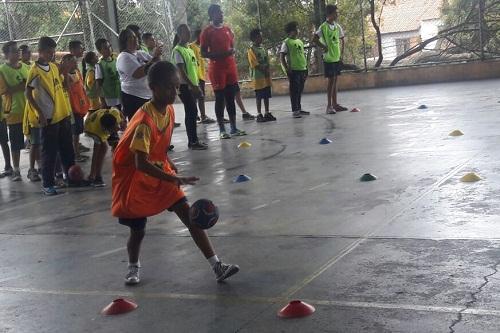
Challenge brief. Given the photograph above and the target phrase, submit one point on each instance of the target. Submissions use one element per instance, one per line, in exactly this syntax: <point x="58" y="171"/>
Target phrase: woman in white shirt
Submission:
<point x="133" y="66"/>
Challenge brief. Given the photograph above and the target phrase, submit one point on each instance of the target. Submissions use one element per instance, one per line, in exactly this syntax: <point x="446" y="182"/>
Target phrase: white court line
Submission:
<point x="252" y="299"/>
<point x="275" y="201"/>
<point x="103" y="254"/>
<point x="12" y="278"/>
<point x="318" y="186"/>
<point x="182" y="230"/>
<point x="259" y="206"/>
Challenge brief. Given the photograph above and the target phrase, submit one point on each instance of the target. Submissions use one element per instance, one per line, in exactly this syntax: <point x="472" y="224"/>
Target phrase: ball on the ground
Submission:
<point x="204" y="213"/>
<point x="75" y="173"/>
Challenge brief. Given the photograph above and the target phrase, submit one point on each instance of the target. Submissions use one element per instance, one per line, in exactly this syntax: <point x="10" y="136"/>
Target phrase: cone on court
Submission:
<point x="355" y="110"/>
<point x="119" y="306"/>
<point x="296" y="309"/>
<point x="368" y="177"/>
<point x="456" y="133"/>
<point x="244" y="144"/>
<point x="422" y="107"/>
<point x="242" y="178"/>
<point x="325" y="141"/>
<point x="470" y="177"/>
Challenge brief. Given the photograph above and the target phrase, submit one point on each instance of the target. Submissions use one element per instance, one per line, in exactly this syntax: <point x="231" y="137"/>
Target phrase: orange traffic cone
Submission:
<point x="296" y="309"/>
<point x="119" y="306"/>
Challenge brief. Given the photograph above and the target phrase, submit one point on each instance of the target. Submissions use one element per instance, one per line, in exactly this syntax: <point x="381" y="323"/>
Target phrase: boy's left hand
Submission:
<point x="174" y="167"/>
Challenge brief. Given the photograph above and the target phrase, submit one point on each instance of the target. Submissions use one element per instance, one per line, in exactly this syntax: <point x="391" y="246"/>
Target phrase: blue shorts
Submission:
<point x="263" y="93"/>
<point x="16" y="137"/>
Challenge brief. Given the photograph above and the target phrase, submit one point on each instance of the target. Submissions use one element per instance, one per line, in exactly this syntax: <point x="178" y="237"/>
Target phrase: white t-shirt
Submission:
<point x="179" y="60"/>
<point x="127" y="64"/>
<point x="99" y="76"/>
<point x="332" y="27"/>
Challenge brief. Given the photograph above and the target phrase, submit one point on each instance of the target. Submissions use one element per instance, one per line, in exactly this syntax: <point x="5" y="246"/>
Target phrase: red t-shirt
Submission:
<point x="218" y="40"/>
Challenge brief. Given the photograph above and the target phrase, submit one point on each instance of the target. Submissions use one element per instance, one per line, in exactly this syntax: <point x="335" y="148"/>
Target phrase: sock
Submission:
<point x="213" y="260"/>
<point x="136" y="264"/>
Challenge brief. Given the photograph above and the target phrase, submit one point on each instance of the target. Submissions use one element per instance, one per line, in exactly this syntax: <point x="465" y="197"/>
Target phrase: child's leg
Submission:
<point x="4" y="143"/>
<point x="199" y="236"/>
<point x="302" y="83"/>
<point x="50" y="138"/>
<point x="93" y="165"/>
<point x="229" y="94"/>
<point x="294" y="89"/>
<point x="334" y="91"/>
<point x="201" y="101"/>
<point x="259" y="105"/>
<point x="103" y="149"/>
<point x="330" y="91"/>
<point x="266" y="104"/>
<point x="66" y="152"/>
<point x="134" y="245"/>
<point x="219" y="108"/>
<point x="239" y="101"/>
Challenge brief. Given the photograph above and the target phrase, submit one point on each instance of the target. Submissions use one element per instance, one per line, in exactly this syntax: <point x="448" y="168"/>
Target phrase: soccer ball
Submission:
<point x="75" y="173"/>
<point x="204" y="213"/>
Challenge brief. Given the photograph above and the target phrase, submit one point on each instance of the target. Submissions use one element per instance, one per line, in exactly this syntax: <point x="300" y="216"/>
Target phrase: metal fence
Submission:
<point x="452" y="36"/>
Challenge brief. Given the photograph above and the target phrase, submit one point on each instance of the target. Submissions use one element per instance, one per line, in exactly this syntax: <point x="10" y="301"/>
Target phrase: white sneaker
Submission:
<point x="223" y="271"/>
<point x="132" y="276"/>
<point x="330" y="110"/>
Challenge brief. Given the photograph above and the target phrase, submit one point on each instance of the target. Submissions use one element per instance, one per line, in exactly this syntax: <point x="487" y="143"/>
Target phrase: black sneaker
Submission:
<point x="305" y="113"/>
<point x="7" y="173"/>
<point x="177" y="125"/>
<point x="171" y="148"/>
<point x="260" y="118"/>
<point x="81" y="183"/>
<point x="269" y="117"/>
<point x="223" y="271"/>
<point x="247" y="116"/>
<point x="97" y="182"/>
<point x="207" y="120"/>
<point x="198" y="146"/>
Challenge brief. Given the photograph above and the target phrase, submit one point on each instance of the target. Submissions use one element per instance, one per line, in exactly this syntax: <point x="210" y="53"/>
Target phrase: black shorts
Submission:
<point x="16" y="137"/>
<point x="333" y="68"/>
<point x="77" y="127"/>
<point x="263" y="93"/>
<point x="139" y="224"/>
<point x="131" y="104"/>
<point x="4" y="135"/>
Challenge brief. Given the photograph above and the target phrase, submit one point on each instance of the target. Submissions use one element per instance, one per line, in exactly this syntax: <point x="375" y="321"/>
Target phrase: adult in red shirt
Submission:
<point x="217" y="44"/>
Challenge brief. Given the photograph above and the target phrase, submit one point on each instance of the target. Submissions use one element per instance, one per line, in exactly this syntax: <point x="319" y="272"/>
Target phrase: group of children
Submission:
<point x="53" y="104"/>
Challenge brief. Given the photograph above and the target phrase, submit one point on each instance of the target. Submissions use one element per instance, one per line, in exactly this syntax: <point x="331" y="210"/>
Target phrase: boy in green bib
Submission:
<point x="13" y="76"/>
<point x="258" y="60"/>
<point x="294" y="63"/>
<point x="189" y="90"/>
<point x="330" y="38"/>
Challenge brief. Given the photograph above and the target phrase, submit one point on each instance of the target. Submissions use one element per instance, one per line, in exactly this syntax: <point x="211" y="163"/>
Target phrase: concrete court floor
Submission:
<point x="415" y="251"/>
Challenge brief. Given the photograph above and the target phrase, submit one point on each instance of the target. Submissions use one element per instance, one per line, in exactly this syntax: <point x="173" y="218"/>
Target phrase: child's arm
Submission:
<point x="142" y="164"/>
<point x="36" y="107"/>
<point x="182" y="70"/>
<point x="284" y="63"/>
<point x="342" y="44"/>
<point x="316" y="41"/>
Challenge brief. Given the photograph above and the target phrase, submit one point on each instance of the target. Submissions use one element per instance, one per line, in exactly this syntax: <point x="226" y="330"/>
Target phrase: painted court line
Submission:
<point x="318" y="186"/>
<point x="349" y="248"/>
<point x="250" y="299"/>
<point x="259" y="207"/>
<point x="103" y="254"/>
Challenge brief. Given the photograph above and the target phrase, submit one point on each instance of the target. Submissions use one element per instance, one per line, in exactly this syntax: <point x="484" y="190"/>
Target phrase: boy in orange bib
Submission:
<point x="145" y="181"/>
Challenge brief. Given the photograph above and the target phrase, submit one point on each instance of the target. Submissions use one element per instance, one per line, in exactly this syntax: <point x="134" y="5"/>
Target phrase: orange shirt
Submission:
<point x="134" y="193"/>
<point x="77" y="96"/>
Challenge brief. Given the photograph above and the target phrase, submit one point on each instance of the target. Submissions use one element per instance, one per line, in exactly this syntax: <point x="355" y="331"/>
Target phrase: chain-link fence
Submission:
<point x="379" y="33"/>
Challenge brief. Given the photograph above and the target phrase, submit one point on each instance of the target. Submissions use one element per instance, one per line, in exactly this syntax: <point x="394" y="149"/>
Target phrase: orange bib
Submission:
<point x="78" y="97"/>
<point x="135" y="194"/>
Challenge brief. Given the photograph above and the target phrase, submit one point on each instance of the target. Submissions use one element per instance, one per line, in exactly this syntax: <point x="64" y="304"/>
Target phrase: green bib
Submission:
<point x="262" y="59"/>
<point x="92" y="92"/>
<point x="13" y="77"/>
<point x="190" y="61"/>
<point x="296" y="56"/>
<point x="111" y="79"/>
<point x="332" y="40"/>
